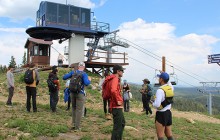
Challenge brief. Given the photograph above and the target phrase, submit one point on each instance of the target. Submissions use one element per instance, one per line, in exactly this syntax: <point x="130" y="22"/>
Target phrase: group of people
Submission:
<point x="162" y="102"/>
<point x="117" y="102"/>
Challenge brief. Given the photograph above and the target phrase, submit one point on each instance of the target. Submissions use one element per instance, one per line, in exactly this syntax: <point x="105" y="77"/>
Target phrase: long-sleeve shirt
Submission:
<point x="85" y="79"/>
<point x="160" y="97"/>
<point x="10" y="79"/>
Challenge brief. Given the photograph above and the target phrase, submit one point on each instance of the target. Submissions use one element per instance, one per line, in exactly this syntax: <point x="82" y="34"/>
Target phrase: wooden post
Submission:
<point x="163" y="64"/>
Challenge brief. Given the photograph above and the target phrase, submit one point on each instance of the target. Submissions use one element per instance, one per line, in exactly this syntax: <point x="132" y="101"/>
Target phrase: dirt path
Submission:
<point x="193" y="116"/>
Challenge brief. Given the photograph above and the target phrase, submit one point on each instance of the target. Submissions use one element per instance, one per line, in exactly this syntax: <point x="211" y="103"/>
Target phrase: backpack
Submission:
<point x="51" y="85"/>
<point x="106" y="93"/>
<point x="149" y="90"/>
<point x="169" y="94"/>
<point x="76" y="82"/>
<point x="28" y="77"/>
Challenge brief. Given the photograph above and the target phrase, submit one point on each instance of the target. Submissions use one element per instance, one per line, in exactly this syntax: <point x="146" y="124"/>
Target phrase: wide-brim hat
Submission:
<point x="146" y="80"/>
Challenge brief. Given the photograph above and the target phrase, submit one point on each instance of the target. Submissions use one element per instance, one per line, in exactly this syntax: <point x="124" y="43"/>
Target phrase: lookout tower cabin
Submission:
<point x="62" y="22"/>
<point x="38" y="51"/>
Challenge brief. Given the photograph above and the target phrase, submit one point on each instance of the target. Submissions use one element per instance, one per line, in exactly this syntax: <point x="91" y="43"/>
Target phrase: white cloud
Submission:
<point x="19" y="10"/>
<point x="188" y="54"/>
<point x="13" y="30"/>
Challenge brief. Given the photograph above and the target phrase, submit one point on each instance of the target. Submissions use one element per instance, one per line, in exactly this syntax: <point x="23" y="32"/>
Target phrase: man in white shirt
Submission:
<point x="163" y="119"/>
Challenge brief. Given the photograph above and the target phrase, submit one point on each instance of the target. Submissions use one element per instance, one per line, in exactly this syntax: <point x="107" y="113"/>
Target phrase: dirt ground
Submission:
<point x="191" y="116"/>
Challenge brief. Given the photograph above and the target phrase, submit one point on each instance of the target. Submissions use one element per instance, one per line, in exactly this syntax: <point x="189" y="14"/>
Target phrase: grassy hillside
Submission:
<point x="187" y="99"/>
<point x="16" y="123"/>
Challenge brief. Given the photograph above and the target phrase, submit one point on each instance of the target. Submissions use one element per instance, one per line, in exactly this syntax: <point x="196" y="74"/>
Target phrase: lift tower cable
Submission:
<point x="143" y="50"/>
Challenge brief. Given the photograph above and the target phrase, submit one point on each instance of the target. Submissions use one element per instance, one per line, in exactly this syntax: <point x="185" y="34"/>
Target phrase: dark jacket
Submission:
<point x="55" y="79"/>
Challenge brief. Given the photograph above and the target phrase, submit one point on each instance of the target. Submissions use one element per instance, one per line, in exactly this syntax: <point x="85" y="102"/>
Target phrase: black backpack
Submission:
<point x="76" y="82"/>
<point x="28" y="77"/>
<point x="51" y="85"/>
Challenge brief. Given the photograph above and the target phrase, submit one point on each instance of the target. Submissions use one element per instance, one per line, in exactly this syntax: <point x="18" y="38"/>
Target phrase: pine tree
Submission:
<point x="24" y="59"/>
<point x="1" y="70"/>
<point x="12" y="63"/>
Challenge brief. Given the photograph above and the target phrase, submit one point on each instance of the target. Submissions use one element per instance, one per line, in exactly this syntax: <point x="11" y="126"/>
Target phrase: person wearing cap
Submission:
<point x="10" y="85"/>
<point x="116" y="102"/>
<point x="143" y="92"/>
<point x="163" y="118"/>
<point x="54" y="93"/>
<point x="78" y="99"/>
<point x="31" y="89"/>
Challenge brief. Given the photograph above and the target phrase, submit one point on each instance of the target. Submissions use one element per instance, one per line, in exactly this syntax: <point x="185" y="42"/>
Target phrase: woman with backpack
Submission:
<point x="149" y="94"/>
<point x="126" y="96"/>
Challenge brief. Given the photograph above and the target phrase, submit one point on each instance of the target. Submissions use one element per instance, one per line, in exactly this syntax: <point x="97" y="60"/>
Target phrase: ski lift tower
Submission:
<point x="209" y="91"/>
<point x="67" y="22"/>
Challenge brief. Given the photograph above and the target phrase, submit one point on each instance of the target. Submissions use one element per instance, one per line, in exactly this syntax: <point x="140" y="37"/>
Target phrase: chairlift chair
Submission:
<point x="155" y="79"/>
<point x="173" y="78"/>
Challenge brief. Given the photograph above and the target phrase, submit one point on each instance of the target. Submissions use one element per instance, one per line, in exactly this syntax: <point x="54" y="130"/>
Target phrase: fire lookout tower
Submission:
<point x="62" y="22"/>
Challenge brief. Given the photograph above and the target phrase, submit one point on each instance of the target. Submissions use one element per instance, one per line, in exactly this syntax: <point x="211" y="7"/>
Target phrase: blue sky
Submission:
<point x="185" y="31"/>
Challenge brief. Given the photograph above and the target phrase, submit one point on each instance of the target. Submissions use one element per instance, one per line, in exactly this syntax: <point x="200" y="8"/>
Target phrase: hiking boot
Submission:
<point x="143" y="110"/>
<point x="67" y="108"/>
<point x="151" y="116"/>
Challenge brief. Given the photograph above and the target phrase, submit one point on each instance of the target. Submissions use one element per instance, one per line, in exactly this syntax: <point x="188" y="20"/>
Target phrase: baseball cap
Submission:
<point x="81" y="64"/>
<point x="118" y="67"/>
<point x="163" y="75"/>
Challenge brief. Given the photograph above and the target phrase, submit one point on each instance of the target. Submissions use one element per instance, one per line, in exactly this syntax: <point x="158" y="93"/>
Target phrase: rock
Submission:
<point x="93" y="87"/>
<point x="190" y="121"/>
<point x="130" y="128"/>
<point x="26" y="134"/>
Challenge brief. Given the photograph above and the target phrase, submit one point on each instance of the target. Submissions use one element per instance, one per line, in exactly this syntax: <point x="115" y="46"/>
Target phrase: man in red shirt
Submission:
<point x="116" y="102"/>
